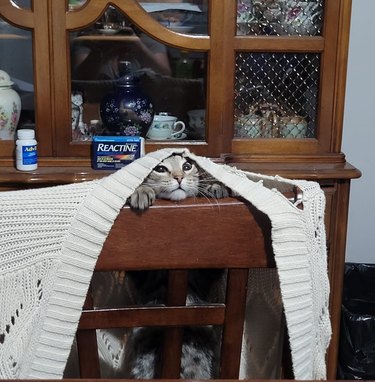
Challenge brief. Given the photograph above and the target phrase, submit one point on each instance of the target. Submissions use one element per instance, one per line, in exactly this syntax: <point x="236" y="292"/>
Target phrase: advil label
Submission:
<point x="29" y="155"/>
<point x="112" y="153"/>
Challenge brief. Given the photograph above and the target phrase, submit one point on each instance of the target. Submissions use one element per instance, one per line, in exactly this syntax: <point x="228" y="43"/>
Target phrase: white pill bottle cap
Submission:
<point x="26" y="134"/>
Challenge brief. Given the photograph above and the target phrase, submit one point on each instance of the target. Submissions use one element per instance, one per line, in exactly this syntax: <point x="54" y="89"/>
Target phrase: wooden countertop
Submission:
<point x="53" y="173"/>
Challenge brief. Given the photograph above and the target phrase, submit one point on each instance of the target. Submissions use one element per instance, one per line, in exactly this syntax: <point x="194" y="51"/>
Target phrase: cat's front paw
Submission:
<point x="142" y="198"/>
<point x="218" y="191"/>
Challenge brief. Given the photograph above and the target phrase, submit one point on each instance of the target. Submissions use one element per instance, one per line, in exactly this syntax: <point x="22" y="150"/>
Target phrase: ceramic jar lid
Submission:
<point x="5" y="79"/>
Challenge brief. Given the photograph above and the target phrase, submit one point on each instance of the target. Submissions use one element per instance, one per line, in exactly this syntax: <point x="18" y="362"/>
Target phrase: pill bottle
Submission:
<point x="26" y="150"/>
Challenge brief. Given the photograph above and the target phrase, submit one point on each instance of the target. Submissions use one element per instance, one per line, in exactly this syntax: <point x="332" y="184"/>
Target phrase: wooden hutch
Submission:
<point x="254" y="65"/>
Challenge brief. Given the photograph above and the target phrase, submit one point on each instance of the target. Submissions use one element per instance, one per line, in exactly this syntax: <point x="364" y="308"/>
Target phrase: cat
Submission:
<point x="175" y="178"/>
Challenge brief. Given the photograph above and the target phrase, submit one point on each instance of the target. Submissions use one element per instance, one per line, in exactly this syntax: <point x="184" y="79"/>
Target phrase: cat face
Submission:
<point x="175" y="178"/>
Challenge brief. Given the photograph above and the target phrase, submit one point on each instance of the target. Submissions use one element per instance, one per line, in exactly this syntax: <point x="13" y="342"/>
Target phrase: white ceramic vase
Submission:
<point x="10" y="108"/>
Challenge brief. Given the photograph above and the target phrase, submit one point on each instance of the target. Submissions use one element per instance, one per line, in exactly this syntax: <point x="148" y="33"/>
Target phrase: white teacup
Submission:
<point x="165" y="127"/>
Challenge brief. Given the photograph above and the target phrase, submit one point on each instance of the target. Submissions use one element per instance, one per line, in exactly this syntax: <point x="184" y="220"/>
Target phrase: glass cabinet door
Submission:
<point x="280" y="17"/>
<point x="244" y="76"/>
<point x="285" y="63"/>
<point x="17" y="106"/>
<point x="276" y="94"/>
<point x="25" y="56"/>
<point x="170" y="73"/>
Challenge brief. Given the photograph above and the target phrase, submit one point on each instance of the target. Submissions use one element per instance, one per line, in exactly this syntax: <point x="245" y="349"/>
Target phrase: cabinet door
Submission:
<point x="190" y="89"/>
<point x="288" y="74"/>
<point x="24" y="48"/>
<point x="262" y="78"/>
<point x="271" y="77"/>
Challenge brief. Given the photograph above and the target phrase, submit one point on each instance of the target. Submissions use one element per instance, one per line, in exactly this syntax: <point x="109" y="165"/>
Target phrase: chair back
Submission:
<point x="194" y="234"/>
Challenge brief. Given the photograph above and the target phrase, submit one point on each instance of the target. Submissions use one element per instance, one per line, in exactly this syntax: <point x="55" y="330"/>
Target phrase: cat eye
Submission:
<point x="187" y="166"/>
<point x="160" y="169"/>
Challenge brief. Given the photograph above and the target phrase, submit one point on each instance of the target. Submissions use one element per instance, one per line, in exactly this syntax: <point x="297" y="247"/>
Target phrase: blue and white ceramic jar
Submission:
<point x="125" y="110"/>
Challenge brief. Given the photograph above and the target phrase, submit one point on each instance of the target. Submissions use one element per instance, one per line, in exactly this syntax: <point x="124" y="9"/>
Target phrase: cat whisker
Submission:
<point x="209" y="196"/>
<point x="209" y="200"/>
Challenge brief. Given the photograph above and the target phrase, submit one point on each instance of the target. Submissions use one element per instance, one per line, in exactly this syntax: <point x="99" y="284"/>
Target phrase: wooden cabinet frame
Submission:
<point x="52" y="76"/>
<point x="63" y="161"/>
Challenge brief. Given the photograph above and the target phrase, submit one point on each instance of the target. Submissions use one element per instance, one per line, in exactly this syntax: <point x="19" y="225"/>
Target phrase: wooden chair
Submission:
<point x="201" y="234"/>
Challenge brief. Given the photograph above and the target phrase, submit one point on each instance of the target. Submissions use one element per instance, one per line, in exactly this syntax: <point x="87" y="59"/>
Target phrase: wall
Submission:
<point x="359" y="132"/>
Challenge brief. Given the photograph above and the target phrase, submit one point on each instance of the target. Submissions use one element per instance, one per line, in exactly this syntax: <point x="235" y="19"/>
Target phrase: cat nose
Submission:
<point x="179" y="179"/>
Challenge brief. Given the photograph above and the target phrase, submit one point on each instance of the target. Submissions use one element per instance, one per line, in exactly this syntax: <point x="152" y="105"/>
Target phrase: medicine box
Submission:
<point x="114" y="152"/>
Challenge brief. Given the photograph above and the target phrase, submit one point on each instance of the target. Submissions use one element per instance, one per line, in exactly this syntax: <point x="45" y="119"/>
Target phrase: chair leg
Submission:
<point x="233" y="327"/>
<point x="177" y="291"/>
<point x="86" y="339"/>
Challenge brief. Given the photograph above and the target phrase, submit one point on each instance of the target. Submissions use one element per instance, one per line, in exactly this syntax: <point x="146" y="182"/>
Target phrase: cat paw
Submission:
<point x="218" y="191"/>
<point x="142" y="198"/>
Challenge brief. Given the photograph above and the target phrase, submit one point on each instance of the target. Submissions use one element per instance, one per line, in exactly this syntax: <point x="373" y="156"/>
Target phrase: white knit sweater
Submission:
<point x="51" y="238"/>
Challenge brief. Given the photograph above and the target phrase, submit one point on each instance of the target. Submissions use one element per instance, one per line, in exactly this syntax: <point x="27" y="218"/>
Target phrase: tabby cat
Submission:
<point x="175" y="178"/>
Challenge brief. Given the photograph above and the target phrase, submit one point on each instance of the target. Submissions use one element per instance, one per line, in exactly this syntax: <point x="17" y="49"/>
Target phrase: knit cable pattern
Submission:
<point x="299" y="245"/>
<point x="51" y="239"/>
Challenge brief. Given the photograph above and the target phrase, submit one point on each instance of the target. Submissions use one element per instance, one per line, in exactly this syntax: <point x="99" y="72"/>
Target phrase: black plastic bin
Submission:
<point x="357" y="335"/>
